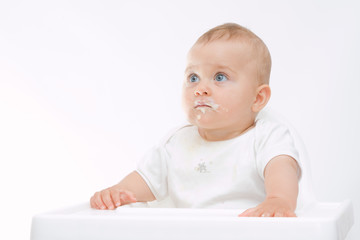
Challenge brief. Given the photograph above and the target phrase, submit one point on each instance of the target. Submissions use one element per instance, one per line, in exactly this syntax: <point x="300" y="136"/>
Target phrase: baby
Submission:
<point x="227" y="157"/>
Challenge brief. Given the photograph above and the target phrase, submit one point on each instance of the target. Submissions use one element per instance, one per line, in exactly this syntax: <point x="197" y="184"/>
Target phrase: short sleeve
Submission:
<point x="153" y="169"/>
<point x="273" y="139"/>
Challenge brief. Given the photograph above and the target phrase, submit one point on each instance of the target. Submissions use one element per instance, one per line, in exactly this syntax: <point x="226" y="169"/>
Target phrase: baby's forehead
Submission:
<point x="222" y="50"/>
<point x="240" y="43"/>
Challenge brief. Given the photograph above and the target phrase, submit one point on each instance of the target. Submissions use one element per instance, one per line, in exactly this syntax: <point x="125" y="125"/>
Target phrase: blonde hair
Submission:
<point x="235" y="31"/>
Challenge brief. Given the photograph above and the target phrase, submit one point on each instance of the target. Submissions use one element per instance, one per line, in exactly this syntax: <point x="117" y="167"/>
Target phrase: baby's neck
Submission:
<point x="223" y="134"/>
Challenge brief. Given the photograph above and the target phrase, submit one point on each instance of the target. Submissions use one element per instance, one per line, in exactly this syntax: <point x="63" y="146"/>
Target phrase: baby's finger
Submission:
<point x="126" y="199"/>
<point x="289" y="214"/>
<point x="129" y="196"/>
<point x="247" y="212"/>
<point x="116" y="198"/>
<point x="279" y="214"/>
<point x="106" y="197"/>
<point x="92" y="203"/>
<point x="267" y="214"/>
<point x="257" y="213"/>
<point x="98" y="201"/>
<point x="284" y="213"/>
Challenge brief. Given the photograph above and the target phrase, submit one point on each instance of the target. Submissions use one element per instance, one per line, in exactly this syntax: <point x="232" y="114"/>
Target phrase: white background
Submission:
<point x="86" y="87"/>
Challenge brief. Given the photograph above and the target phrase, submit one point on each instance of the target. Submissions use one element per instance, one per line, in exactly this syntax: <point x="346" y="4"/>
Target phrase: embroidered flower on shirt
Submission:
<point x="201" y="168"/>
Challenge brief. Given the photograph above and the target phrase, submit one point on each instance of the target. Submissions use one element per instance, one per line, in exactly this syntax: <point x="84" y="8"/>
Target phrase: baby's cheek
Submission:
<point x="185" y="103"/>
<point x="189" y="114"/>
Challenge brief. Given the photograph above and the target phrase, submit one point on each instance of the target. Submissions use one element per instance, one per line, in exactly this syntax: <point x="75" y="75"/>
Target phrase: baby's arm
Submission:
<point x="281" y="185"/>
<point x="131" y="189"/>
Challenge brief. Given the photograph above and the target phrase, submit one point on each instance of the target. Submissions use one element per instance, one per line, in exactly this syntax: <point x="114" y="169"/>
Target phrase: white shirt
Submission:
<point x="196" y="173"/>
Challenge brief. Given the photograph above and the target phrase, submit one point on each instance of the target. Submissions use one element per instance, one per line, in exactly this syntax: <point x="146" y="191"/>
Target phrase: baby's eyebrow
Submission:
<point x="220" y="67"/>
<point x="226" y="67"/>
<point x="188" y="68"/>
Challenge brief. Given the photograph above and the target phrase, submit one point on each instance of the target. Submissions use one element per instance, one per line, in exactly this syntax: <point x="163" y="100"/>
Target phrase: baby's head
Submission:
<point x="226" y="79"/>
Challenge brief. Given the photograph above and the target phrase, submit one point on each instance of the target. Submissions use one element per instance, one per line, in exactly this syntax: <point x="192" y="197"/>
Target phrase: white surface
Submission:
<point x="322" y="221"/>
<point x="87" y="86"/>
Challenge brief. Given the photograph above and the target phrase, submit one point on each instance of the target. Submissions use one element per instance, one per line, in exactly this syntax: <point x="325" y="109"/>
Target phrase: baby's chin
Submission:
<point x="204" y="120"/>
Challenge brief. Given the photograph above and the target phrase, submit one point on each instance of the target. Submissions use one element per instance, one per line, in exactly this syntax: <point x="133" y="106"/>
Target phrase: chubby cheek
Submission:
<point x="241" y="109"/>
<point x="187" y="103"/>
<point x="235" y="104"/>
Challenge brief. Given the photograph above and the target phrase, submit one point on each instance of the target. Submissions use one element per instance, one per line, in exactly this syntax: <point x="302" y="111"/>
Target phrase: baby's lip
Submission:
<point x="202" y="105"/>
<point x="205" y="103"/>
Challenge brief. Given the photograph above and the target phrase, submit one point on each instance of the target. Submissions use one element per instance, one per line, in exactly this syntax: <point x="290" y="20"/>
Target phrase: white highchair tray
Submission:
<point x="321" y="221"/>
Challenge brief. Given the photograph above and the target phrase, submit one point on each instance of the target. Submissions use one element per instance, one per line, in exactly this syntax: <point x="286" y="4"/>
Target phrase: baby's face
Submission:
<point x="220" y="85"/>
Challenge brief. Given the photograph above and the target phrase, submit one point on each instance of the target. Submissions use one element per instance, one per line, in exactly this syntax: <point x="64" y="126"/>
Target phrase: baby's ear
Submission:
<point x="262" y="97"/>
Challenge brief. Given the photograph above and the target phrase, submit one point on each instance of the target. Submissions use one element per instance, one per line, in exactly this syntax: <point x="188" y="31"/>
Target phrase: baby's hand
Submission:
<point x="273" y="207"/>
<point x="111" y="198"/>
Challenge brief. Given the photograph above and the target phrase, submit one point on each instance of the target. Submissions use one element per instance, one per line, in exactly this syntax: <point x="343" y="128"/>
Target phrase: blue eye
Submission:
<point x="193" y="78"/>
<point x="220" y="77"/>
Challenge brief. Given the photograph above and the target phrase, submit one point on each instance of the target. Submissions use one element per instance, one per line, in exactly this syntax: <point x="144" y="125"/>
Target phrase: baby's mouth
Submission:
<point x="202" y="105"/>
<point x="205" y="105"/>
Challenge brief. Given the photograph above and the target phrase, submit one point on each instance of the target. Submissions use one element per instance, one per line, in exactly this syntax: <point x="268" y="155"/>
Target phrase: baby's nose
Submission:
<point x="201" y="91"/>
